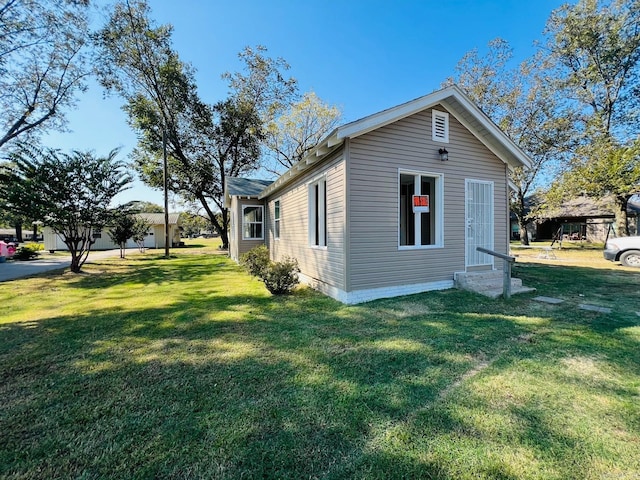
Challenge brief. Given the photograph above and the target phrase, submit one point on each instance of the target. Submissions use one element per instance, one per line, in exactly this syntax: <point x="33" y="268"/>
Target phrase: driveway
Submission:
<point x="17" y="269"/>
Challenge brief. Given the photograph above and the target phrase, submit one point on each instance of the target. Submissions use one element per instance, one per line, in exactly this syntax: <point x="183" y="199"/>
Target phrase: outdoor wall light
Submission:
<point x="444" y="155"/>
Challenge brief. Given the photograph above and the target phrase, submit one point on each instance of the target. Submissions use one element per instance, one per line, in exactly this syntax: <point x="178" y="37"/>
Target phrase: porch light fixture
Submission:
<point x="444" y="155"/>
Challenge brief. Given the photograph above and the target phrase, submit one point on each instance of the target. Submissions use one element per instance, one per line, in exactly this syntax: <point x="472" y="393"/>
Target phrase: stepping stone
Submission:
<point x="594" y="308"/>
<point x="551" y="300"/>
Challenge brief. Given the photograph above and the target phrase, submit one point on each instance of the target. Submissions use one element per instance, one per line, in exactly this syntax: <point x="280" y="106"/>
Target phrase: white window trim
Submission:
<point x="261" y="207"/>
<point x="277" y="220"/>
<point x="434" y="114"/>
<point x="439" y="213"/>
<point x="321" y="200"/>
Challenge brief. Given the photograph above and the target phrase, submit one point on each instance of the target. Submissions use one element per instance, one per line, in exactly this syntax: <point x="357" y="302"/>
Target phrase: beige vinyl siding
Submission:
<point x="323" y="265"/>
<point x="240" y="245"/>
<point x="375" y="261"/>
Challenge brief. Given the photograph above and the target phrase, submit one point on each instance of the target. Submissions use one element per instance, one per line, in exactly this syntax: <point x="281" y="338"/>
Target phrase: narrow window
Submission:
<point x="276" y="219"/>
<point x="252" y="228"/>
<point x="318" y="213"/>
<point x="420" y="204"/>
<point x="439" y="126"/>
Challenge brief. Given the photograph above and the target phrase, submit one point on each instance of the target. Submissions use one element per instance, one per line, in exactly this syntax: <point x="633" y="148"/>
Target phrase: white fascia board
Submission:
<point x="491" y="127"/>
<point x="380" y="119"/>
<point x="377" y="120"/>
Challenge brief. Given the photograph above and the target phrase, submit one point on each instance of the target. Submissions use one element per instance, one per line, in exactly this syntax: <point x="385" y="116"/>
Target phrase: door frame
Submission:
<point x="467" y="219"/>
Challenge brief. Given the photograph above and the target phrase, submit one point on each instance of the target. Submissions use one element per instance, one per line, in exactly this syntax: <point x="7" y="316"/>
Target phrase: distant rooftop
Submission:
<point x="246" y="187"/>
<point x="158" y="218"/>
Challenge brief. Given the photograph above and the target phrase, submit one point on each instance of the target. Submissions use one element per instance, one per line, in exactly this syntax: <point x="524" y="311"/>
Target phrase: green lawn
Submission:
<point x="188" y="368"/>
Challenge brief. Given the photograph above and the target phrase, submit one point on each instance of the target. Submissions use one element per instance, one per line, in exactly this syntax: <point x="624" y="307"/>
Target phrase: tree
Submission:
<point x="71" y="193"/>
<point x="292" y="135"/>
<point x="594" y="52"/>
<point x="139" y="230"/>
<point x="262" y="84"/>
<point x="42" y="64"/>
<point x="609" y="171"/>
<point x="138" y="206"/>
<point x="193" y="224"/>
<point x="125" y="226"/>
<point x="205" y="143"/>
<point x="121" y="230"/>
<point x="517" y="100"/>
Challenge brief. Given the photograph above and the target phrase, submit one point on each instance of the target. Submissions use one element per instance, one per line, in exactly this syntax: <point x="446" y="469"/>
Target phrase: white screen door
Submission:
<point x="479" y="216"/>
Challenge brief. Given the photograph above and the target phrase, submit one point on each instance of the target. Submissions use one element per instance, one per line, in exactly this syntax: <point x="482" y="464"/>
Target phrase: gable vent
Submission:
<point x="440" y="126"/>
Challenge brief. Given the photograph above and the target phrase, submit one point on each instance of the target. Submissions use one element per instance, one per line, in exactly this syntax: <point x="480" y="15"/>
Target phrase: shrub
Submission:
<point x="278" y="277"/>
<point x="256" y="261"/>
<point x="281" y="277"/>
<point x="28" y="251"/>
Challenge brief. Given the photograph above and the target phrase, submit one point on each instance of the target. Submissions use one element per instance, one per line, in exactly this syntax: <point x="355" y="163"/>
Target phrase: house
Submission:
<point x="581" y="218"/>
<point x="153" y="239"/>
<point x="391" y="204"/>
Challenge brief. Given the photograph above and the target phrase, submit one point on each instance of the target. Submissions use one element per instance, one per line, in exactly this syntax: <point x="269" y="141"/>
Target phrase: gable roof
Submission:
<point x="158" y="218"/>
<point x="243" y="187"/>
<point x="452" y="98"/>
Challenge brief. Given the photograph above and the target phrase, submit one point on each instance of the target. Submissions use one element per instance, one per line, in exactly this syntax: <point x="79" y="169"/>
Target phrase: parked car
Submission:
<point x="626" y="250"/>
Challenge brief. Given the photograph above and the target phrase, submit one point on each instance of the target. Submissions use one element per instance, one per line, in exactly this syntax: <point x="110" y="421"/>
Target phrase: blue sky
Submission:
<point x="363" y="55"/>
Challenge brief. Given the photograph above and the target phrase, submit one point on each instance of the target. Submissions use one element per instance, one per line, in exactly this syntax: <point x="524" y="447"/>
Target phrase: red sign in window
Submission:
<point x="421" y="203"/>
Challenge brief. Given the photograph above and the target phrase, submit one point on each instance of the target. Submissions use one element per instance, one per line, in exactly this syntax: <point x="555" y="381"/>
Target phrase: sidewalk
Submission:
<point x="13" y="269"/>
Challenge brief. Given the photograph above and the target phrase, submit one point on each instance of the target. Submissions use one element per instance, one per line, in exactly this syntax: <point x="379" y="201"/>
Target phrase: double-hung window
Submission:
<point x="252" y="222"/>
<point x="318" y="213"/>
<point x="276" y="219"/>
<point x="420" y="210"/>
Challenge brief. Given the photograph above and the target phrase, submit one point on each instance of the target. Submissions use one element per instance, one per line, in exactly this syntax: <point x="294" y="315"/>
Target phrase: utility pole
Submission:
<point x="166" y="193"/>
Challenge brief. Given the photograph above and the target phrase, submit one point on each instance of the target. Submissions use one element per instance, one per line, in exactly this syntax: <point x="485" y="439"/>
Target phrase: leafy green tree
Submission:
<point x="517" y="100"/>
<point x="138" y="206"/>
<point x="12" y="218"/>
<point x="139" y="230"/>
<point x="292" y="135"/>
<point x="611" y="171"/>
<point x="205" y="143"/>
<point x="121" y="230"/>
<point x="594" y="53"/>
<point x="42" y="64"/>
<point x="127" y="226"/>
<point x="262" y="84"/>
<point x="71" y="193"/>
<point x="193" y="224"/>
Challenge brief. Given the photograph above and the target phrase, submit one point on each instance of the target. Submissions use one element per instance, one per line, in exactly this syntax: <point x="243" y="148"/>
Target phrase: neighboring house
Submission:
<point x="9" y="235"/>
<point x="375" y="210"/>
<point x="153" y="239"/>
<point x="582" y="218"/>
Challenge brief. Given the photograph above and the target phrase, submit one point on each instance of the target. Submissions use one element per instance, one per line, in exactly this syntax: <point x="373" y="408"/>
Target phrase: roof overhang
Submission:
<point x="452" y="98"/>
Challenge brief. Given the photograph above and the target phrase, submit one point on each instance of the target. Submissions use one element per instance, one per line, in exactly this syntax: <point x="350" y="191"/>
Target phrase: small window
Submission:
<point x="97" y="234"/>
<point x="276" y="219"/>
<point x="252" y="226"/>
<point x="420" y="207"/>
<point x="440" y="126"/>
<point x="318" y="213"/>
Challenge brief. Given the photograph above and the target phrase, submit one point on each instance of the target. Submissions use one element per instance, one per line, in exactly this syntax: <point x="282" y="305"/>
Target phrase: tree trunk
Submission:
<point x="18" y="227"/>
<point x="35" y="232"/>
<point x="224" y="236"/>
<point x="524" y="236"/>
<point x="221" y="229"/>
<point x="622" y="222"/>
<point x="75" y="262"/>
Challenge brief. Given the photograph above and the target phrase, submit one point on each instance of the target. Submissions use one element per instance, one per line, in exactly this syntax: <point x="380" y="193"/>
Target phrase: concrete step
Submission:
<point x="489" y="283"/>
